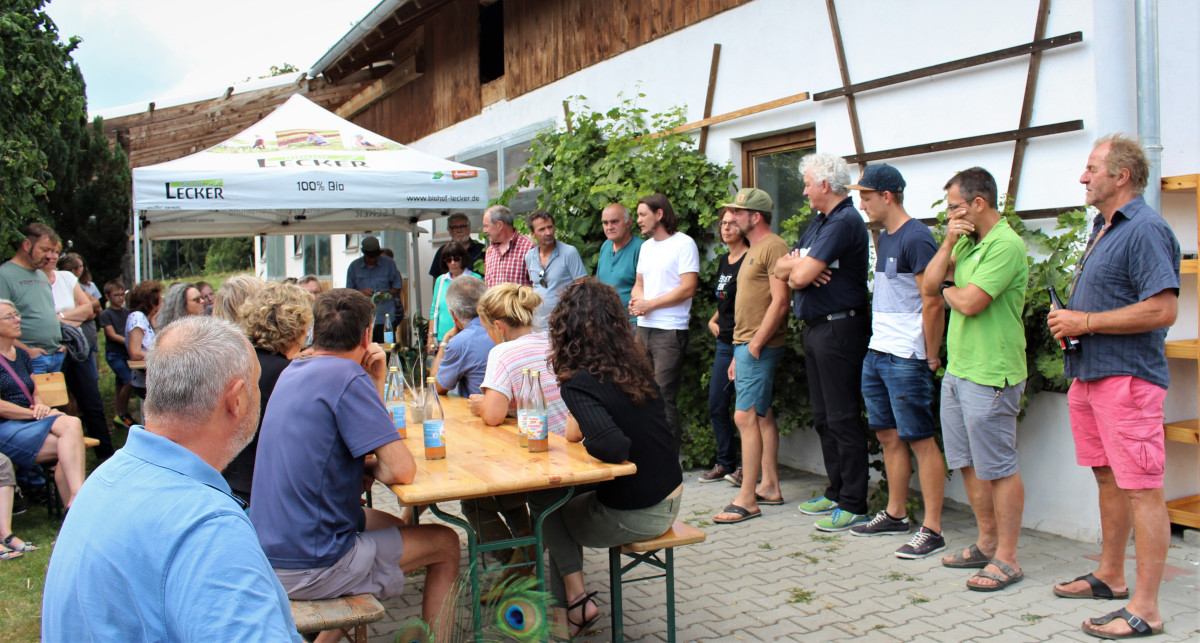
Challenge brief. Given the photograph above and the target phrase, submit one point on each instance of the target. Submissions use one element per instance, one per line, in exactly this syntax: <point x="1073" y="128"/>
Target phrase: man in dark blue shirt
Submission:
<point x="827" y="269"/>
<point x="1123" y="299"/>
<point x="378" y="278"/>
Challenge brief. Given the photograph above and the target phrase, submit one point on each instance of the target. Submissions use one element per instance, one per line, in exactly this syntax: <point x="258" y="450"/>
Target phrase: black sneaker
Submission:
<point x="923" y="543"/>
<point x="717" y="474"/>
<point x="735" y="478"/>
<point x="881" y="525"/>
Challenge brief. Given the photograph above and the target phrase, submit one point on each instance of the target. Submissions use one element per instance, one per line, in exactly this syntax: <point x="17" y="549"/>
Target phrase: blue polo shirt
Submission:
<point x="1137" y="258"/>
<point x="560" y="271"/>
<point x="465" y="362"/>
<point x="384" y="276"/>
<point x="156" y="549"/>
<point x="840" y="240"/>
<point x="619" y="269"/>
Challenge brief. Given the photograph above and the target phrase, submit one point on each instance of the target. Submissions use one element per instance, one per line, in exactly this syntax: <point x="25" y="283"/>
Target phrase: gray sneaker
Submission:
<point x="923" y="543"/>
<point x="881" y="525"/>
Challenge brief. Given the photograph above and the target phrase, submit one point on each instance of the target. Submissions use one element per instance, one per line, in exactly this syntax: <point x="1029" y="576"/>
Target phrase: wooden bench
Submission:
<point x="338" y="614"/>
<point x="648" y="552"/>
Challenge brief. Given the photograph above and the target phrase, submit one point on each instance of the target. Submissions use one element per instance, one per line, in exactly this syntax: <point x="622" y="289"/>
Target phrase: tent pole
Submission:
<point x="415" y="280"/>
<point x="137" y="248"/>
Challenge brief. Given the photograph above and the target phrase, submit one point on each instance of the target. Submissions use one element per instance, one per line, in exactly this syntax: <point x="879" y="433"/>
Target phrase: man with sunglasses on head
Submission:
<point x="552" y="266"/>
<point x="460" y="233"/>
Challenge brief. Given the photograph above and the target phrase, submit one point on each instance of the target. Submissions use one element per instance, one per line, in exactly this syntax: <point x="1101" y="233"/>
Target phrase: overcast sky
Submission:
<point x="137" y="51"/>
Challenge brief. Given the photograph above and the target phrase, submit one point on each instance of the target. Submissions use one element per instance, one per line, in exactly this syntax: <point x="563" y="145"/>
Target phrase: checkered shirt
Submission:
<point x="507" y="267"/>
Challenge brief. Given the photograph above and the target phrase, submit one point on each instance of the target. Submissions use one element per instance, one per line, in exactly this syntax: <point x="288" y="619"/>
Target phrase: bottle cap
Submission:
<point x="430" y="380"/>
<point x="535" y="373"/>
<point x="394" y="369"/>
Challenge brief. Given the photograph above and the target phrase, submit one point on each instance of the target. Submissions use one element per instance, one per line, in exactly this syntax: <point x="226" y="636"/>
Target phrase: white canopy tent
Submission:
<point x="300" y="170"/>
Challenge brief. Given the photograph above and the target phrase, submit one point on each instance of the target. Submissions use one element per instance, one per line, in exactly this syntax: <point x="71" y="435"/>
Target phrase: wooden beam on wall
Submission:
<point x="1035" y="63"/>
<point x="851" y="110"/>
<point x="746" y="111"/>
<point x="403" y="74"/>
<point x="963" y="63"/>
<point x="708" y="98"/>
<point x="970" y="141"/>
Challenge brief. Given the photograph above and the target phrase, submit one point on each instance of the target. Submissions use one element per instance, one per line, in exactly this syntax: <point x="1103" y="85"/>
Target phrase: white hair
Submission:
<point x="189" y="365"/>
<point x="462" y="297"/>
<point x="829" y="168"/>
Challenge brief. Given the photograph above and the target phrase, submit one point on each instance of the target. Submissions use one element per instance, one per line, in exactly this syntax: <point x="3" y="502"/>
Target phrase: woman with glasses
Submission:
<point x="454" y="258"/>
<point x="30" y="431"/>
<point x="181" y="300"/>
<point x="720" y="387"/>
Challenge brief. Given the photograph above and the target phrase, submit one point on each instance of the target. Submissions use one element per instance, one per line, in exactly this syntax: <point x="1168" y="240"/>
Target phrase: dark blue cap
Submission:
<point x="880" y="178"/>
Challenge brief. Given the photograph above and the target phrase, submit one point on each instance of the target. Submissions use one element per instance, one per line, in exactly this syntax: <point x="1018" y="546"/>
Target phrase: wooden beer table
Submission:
<point x="483" y="461"/>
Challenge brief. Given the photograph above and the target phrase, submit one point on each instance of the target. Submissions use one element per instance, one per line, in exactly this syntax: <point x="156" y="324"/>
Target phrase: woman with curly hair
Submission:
<point x="619" y="415"/>
<point x="145" y="301"/>
<point x="181" y="300"/>
<point x="276" y="320"/>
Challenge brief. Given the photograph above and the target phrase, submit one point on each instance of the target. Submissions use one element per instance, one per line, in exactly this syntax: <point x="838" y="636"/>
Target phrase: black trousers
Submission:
<point x="83" y="382"/>
<point x="833" y="356"/>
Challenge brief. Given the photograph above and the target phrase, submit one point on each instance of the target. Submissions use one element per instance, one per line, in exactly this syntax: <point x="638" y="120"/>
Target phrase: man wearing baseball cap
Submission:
<point x="758" y="339"/>
<point x="378" y="278"/>
<point x="897" y="377"/>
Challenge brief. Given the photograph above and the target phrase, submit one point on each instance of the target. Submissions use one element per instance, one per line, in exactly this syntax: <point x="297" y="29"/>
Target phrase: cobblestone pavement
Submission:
<point x="776" y="578"/>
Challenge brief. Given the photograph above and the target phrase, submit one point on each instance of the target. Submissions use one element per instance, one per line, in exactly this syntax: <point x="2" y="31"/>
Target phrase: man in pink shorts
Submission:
<point x="1123" y="299"/>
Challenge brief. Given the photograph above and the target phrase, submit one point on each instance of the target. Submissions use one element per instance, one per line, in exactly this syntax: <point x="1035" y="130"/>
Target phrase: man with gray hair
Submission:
<point x="505" y="259"/>
<point x="462" y="356"/>
<point x="460" y="233"/>
<point x="617" y="264"/>
<point x="827" y="269"/>
<point x="181" y="560"/>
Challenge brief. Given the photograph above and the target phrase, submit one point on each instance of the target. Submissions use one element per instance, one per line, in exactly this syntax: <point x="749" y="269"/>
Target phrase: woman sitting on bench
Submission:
<point x="619" y="415"/>
<point x="29" y="430"/>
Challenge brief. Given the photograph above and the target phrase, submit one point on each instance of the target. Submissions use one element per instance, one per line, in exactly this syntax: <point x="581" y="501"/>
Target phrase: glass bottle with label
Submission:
<point x="523" y="408"/>
<point x="389" y="334"/>
<point x="433" y="423"/>
<point x="535" y="417"/>
<point x="394" y="400"/>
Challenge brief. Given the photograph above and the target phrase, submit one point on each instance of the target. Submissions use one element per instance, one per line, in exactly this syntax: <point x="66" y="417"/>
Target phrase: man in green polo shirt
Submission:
<point x="985" y="373"/>
<point x="23" y="283"/>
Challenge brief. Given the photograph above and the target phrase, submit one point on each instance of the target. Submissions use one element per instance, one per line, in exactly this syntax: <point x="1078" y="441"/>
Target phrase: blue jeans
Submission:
<point x="898" y="392"/>
<point x="48" y="363"/>
<point x="720" y="394"/>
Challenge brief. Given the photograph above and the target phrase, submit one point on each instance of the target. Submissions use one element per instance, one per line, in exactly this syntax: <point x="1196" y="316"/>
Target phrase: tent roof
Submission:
<point x="301" y="170"/>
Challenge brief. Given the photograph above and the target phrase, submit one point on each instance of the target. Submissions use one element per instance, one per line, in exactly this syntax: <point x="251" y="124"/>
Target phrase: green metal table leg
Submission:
<point x="671" y="595"/>
<point x="614" y="582"/>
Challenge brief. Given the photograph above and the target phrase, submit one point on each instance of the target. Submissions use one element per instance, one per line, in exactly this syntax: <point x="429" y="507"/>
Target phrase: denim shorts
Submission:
<point x="119" y="364"/>
<point x="979" y="426"/>
<point x="899" y="395"/>
<point x="48" y="363"/>
<point x="755" y="378"/>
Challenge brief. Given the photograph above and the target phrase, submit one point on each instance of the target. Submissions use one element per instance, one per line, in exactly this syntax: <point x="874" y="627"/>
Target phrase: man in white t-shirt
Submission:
<point x="668" y="270"/>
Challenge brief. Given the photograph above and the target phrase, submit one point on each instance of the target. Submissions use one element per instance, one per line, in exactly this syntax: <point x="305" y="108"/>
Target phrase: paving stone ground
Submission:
<point x="776" y="578"/>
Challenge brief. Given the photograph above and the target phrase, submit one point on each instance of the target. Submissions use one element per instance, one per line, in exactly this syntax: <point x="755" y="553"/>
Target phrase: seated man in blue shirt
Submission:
<point x="462" y="356"/>
<point x="155" y="548"/>
<point x="325" y="437"/>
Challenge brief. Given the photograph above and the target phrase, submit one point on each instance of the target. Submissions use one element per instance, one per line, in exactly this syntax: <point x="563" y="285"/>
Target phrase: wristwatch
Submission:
<point x="942" y="288"/>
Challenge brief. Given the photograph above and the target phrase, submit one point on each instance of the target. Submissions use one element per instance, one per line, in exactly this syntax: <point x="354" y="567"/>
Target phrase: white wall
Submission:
<point x="775" y="48"/>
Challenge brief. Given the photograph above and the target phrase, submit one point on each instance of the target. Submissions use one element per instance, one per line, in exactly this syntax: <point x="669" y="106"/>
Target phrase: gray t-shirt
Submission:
<point x="30" y="291"/>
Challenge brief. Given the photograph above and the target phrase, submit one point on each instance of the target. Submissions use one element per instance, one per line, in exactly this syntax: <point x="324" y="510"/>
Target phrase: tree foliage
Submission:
<point x="41" y="88"/>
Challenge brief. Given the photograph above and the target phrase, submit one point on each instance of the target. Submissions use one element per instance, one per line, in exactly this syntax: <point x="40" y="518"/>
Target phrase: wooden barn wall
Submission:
<point x="448" y="90"/>
<point x="544" y="40"/>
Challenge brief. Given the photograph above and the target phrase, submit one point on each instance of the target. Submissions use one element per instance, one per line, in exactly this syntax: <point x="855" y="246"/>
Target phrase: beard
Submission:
<point x="245" y="432"/>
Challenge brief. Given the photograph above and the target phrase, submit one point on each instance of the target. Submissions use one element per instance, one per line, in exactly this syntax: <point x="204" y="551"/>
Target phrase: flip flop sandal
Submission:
<point x="1139" y="627"/>
<point x="742" y="513"/>
<point x="1097" y="589"/>
<point x="24" y="546"/>
<point x="973" y="559"/>
<point x="9" y="554"/>
<point x="767" y="501"/>
<point x="1006" y="577"/>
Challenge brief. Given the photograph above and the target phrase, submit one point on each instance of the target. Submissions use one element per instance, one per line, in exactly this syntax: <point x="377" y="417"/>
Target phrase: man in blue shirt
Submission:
<point x="378" y="278"/>
<point x="1124" y="298"/>
<point x="155" y="548"/>
<point x="462" y="357"/>
<point x="827" y="269"/>
<point x="617" y="264"/>
<point x="552" y="266"/>
<point x="325" y="436"/>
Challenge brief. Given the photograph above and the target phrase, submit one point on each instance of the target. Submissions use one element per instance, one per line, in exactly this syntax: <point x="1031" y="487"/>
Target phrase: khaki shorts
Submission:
<point x="372" y="566"/>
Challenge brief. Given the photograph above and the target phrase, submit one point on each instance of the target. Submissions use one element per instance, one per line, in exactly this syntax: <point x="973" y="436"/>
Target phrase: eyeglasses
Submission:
<point x="542" y="278"/>
<point x="729" y="224"/>
<point x="453" y="260"/>
<point x="954" y="206"/>
<point x="609" y="224"/>
<point x="195" y="300"/>
<point x="10" y="317"/>
<point x="116" y="295"/>
<point x="460" y="227"/>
